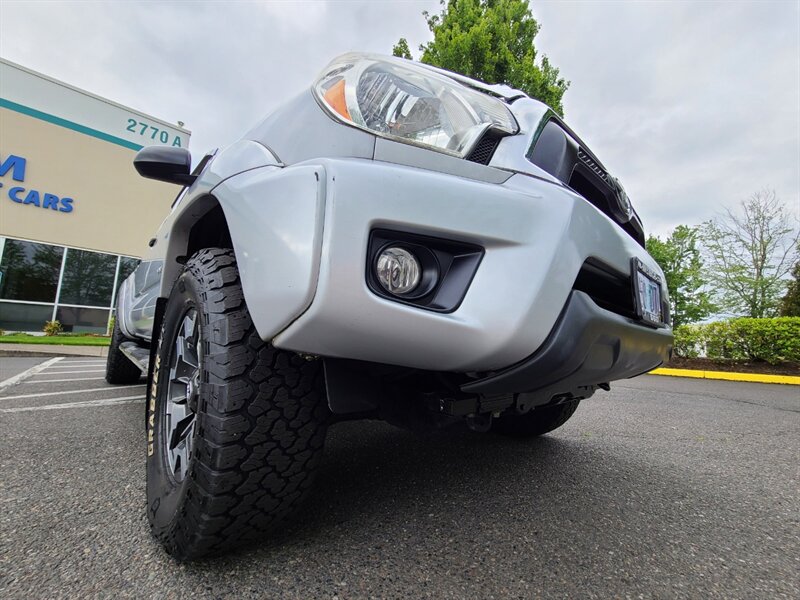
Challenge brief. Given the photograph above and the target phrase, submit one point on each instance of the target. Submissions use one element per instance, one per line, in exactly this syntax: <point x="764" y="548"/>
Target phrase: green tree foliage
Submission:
<point x="679" y="258"/>
<point x="790" y="305"/>
<point x="491" y="40"/>
<point x="401" y="49"/>
<point x="750" y="254"/>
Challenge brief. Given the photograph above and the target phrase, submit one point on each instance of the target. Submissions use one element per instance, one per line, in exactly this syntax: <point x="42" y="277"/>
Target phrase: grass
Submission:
<point x="56" y="340"/>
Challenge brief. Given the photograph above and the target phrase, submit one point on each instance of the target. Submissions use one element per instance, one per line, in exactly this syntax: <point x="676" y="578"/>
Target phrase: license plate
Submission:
<point x="647" y="293"/>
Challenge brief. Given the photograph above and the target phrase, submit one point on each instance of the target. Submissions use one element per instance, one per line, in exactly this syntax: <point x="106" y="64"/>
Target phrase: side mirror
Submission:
<point x="163" y="163"/>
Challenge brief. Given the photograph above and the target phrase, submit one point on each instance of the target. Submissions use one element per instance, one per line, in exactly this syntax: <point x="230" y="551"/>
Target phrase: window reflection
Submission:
<point x="29" y="271"/>
<point x="88" y="278"/>
<point x="24" y="317"/>
<point x="126" y="267"/>
<point x="83" y="320"/>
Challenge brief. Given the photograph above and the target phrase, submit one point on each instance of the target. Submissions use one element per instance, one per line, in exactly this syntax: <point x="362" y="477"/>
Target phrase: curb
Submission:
<point x="51" y="350"/>
<point x="728" y="376"/>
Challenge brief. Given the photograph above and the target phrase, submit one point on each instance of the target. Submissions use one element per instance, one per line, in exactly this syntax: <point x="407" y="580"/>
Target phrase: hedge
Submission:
<point x="770" y="340"/>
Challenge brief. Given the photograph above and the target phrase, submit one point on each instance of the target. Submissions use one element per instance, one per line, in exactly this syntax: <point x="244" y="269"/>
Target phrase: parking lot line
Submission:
<point x="63" y="380"/>
<point x="84" y="404"/>
<point x="71" y="372"/>
<point x="62" y="367"/>
<point x="84" y="360"/>
<point x="25" y="374"/>
<point x="65" y="392"/>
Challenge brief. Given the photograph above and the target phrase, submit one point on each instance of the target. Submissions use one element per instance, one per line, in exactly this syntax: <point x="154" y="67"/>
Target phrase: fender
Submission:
<point x="275" y="217"/>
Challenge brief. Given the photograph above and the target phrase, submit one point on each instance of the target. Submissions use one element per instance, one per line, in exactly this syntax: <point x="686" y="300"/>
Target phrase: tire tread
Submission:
<point x="536" y="422"/>
<point x="119" y="368"/>
<point x="262" y="420"/>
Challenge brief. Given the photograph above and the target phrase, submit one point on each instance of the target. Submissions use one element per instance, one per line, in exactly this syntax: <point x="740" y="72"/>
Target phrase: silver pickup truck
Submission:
<point x="397" y="242"/>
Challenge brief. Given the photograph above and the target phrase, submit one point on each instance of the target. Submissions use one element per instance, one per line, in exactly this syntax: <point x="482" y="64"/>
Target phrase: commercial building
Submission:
<point x="74" y="214"/>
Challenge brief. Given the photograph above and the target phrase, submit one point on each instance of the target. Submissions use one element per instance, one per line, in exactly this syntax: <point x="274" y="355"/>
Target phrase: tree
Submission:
<point x="750" y="254"/>
<point x="790" y="305"/>
<point x="679" y="258"/>
<point x="491" y="40"/>
<point x="401" y="49"/>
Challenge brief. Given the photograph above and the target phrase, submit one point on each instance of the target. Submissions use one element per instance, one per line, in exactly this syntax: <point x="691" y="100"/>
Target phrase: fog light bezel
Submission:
<point x="448" y="268"/>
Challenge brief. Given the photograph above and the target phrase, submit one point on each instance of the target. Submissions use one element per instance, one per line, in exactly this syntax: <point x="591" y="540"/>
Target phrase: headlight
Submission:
<point x="396" y="99"/>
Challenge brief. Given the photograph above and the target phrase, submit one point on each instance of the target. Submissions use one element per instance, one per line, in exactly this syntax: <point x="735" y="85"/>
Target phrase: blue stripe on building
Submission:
<point x="37" y="114"/>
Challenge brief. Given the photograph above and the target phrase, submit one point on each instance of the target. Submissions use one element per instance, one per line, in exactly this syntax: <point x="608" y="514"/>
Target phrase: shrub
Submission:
<point x="689" y="341"/>
<point x="770" y="340"/>
<point x="111" y="322"/>
<point x="719" y="342"/>
<point x="52" y="328"/>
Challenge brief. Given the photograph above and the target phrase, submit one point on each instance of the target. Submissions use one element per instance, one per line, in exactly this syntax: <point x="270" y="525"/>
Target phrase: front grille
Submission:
<point x="484" y="150"/>
<point x="596" y="169"/>
<point x="608" y="288"/>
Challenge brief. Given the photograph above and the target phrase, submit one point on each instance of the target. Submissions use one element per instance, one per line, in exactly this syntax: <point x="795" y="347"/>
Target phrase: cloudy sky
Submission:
<point x="694" y="105"/>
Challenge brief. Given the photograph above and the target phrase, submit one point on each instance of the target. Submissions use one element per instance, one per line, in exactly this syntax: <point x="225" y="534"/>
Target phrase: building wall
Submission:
<point x="74" y="214"/>
<point x="112" y="209"/>
<point x="77" y="145"/>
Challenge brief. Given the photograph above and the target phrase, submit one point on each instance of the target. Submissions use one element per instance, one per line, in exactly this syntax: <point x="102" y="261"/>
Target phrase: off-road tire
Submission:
<point x="536" y="422"/>
<point x="260" y="421"/>
<point x="119" y="368"/>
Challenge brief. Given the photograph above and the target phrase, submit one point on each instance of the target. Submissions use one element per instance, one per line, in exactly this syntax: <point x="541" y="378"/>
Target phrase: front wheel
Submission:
<point x="536" y="422"/>
<point x="235" y="426"/>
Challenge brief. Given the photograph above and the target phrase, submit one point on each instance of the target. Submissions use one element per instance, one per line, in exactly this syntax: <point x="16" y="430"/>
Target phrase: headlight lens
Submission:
<point x="393" y="98"/>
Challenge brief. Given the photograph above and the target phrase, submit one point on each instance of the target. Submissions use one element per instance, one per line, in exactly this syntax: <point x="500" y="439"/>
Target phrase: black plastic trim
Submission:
<point x="448" y="268"/>
<point x="558" y="150"/>
<point x="588" y="346"/>
<point x="607" y="287"/>
<point x="163" y="163"/>
<point x="484" y="150"/>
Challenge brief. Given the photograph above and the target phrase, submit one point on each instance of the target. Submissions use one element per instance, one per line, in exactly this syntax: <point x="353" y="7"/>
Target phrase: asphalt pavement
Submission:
<point x="14" y="365"/>
<point x="664" y="487"/>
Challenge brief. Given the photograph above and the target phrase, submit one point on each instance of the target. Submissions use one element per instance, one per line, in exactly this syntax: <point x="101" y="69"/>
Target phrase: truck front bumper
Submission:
<point x="588" y="346"/>
<point x="536" y="237"/>
<point x="301" y="236"/>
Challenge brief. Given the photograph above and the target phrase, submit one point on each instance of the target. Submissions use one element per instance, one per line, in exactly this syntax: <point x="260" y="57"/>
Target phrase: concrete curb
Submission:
<point x="728" y="376"/>
<point x="51" y="350"/>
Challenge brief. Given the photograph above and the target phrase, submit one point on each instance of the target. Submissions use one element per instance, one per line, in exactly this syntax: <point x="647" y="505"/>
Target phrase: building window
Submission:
<point x="41" y="282"/>
<point x="29" y="271"/>
<point x="83" y="320"/>
<point x="88" y="278"/>
<point x="18" y="316"/>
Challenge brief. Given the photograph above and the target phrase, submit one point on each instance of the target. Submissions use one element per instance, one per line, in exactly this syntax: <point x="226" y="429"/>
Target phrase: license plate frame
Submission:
<point x="647" y="296"/>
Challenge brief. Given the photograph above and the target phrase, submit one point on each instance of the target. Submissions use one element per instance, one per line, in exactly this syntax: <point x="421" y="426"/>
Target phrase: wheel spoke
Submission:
<point x="177" y="391"/>
<point x="179" y="416"/>
<point x="181" y="461"/>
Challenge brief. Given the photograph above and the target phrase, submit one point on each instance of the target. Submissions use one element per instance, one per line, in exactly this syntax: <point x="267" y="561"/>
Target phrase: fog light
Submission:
<point x="398" y="271"/>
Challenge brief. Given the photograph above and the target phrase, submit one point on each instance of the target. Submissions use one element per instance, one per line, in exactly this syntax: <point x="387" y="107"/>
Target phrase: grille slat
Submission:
<point x="484" y="150"/>
<point x="597" y="169"/>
